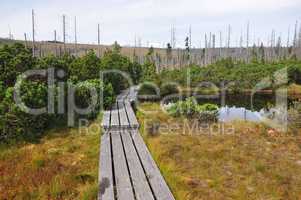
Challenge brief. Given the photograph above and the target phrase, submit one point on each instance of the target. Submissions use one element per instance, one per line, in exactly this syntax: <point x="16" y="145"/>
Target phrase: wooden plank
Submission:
<point x="133" y="93"/>
<point x="106" y="188"/>
<point x="131" y="115"/>
<point x="123" y="95"/>
<point x="124" y="123"/>
<point x="159" y="186"/>
<point x="123" y="183"/>
<point x="114" y="119"/>
<point x="106" y="119"/>
<point x="142" y="188"/>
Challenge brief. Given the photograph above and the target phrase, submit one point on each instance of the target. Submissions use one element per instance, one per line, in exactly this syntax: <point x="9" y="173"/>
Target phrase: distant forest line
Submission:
<point x="169" y="58"/>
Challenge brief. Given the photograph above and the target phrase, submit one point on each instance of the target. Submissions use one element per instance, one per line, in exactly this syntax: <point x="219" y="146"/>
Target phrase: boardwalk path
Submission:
<point x="127" y="169"/>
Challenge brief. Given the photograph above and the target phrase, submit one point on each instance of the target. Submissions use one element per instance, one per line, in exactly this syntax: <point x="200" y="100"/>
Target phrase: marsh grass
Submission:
<point x="251" y="164"/>
<point x="62" y="165"/>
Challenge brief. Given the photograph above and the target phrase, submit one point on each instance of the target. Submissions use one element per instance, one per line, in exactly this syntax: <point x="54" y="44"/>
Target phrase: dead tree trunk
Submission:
<point x="75" y="36"/>
<point x="98" y="39"/>
<point x="64" y="32"/>
<point x="33" y="33"/>
<point x="25" y="38"/>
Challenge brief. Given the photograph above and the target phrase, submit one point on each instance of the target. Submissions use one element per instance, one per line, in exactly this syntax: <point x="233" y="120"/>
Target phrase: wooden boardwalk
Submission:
<point x="127" y="169"/>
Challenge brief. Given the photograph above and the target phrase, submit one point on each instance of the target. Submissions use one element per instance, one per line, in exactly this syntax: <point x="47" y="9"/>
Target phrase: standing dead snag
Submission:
<point x="75" y="35"/>
<point x="25" y="38"/>
<point x="64" y="32"/>
<point x="33" y="33"/>
<point x="98" y="39"/>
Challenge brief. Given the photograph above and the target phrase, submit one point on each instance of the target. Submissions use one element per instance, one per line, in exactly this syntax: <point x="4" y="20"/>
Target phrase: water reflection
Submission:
<point x="238" y="107"/>
<point x="227" y="114"/>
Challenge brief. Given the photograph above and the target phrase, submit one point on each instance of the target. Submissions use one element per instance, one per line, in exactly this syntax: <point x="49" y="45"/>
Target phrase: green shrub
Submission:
<point x="148" y="91"/>
<point x="191" y="109"/>
<point x="168" y="89"/>
<point x="207" y="112"/>
<point x="2" y="91"/>
<point x="113" y="60"/>
<point x="84" y="68"/>
<point x="14" y="60"/>
<point x="17" y="124"/>
<point x="83" y="96"/>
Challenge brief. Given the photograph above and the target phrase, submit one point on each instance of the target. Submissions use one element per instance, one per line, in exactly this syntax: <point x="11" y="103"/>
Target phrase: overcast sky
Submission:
<point x="151" y="20"/>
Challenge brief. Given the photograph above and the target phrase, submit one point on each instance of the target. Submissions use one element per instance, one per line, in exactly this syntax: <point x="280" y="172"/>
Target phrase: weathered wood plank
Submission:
<point x="124" y="123"/>
<point x="106" y="188"/>
<point x="114" y="119"/>
<point x="123" y="95"/>
<point x="133" y="94"/>
<point x="131" y="115"/>
<point x="123" y="183"/>
<point x="136" y="173"/>
<point x="142" y="188"/>
<point x="159" y="186"/>
<point x="106" y="119"/>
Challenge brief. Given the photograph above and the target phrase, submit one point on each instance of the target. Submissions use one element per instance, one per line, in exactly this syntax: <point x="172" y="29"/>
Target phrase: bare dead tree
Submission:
<point x="241" y="40"/>
<point x="64" y="32"/>
<point x="248" y="41"/>
<point x="295" y="35"/>
<point x="206" y="50"/>
<point x="272" y="44"/>
<point x="33" y="32"/>
<point x="220" y="43"/>
<point x="248" y="34"/>
<point x="10" y="35"/>
<point x="173" y="37"/>
<point x="140" y="42"/>
<point x="229" y="39"/>
<point x="229" y="36"/>
<point x="241" y="44"/>
<point x="213" y="41"/>
<point x="288" y="37"/>
<point x="213" y="47"/>
<point x="273" y="38"/>
<point x="75" y="35"/>
<point x="25" y="39"/>
<point x="299" y="38"/>
<point x="209" y="47"/>
<point x="55" y="39"/>
<point x="210" y="40"/>
<point x="190" y="37"/>
<point x="98" y="39"/>
<point x="278" y="47"/>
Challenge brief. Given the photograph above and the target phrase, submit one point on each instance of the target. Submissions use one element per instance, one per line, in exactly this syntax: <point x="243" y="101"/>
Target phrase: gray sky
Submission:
<point x="151" y="20"/>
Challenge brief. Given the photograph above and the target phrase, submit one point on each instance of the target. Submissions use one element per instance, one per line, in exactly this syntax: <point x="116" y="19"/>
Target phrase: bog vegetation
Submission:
<point x="243" y="76"/>
<point x="191" y="109"/>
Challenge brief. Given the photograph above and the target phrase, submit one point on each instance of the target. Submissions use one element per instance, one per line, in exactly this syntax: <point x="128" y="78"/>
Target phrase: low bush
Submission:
<point x="83" y="95"/>
<point x="207" y="112"/>
<point x="17" y="124"/>
<point x="168" y="90"/>
<point x="294" y="117"/>
<point x="191" y="109"/>
<point x="148" y="91"/>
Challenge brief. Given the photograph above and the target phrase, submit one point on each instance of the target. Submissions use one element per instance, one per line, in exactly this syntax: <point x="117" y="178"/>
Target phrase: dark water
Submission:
<point x="241" y="106"/>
